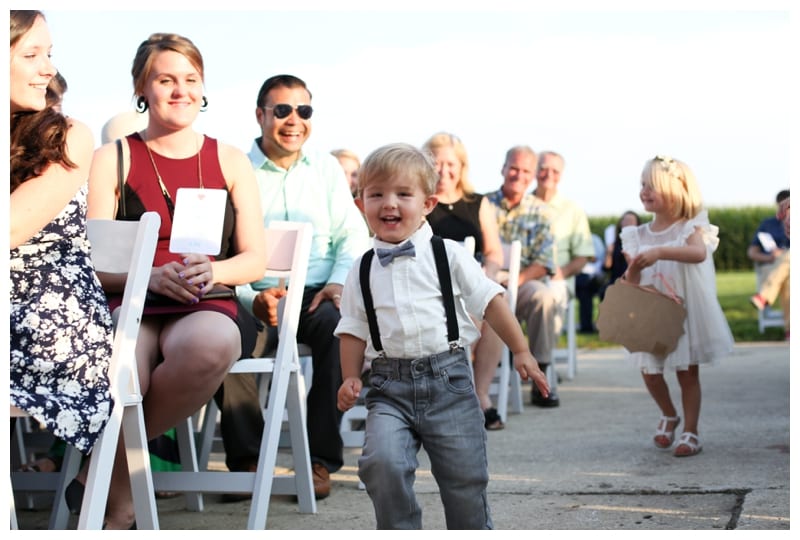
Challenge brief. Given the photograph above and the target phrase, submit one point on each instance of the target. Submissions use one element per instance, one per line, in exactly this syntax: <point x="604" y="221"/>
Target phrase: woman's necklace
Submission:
<point x="164" y="192"/>
<point x="449" y="205"/>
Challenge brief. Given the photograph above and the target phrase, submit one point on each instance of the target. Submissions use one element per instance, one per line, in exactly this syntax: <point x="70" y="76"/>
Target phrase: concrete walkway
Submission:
<point x="591" y="464"/>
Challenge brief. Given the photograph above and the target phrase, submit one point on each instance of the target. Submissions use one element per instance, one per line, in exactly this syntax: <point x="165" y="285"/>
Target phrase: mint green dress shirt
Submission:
<point x="314" y="189"/>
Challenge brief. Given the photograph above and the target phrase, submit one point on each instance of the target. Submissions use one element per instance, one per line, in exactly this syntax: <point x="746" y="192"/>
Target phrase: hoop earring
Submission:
<point x="204" y="104"/>
<point x="141" y="104"/>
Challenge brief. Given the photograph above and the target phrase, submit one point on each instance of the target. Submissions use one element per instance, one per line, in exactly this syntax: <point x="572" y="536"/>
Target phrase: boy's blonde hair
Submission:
<point x="675" y="181"/>
<point x="392" y="160"/>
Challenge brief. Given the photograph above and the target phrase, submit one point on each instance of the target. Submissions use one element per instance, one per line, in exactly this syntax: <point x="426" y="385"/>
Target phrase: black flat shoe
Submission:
<point x="540" y="401"/>
<point x="492" y="420"/>
<point x="73" y="496"/>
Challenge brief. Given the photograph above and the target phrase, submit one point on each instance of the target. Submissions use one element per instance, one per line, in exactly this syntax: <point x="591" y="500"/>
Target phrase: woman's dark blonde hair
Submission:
<point x="392" y="160"/>
<point x="448" y="140"/>
<point x="145" y="55"/>
<point x="38" y="138"/>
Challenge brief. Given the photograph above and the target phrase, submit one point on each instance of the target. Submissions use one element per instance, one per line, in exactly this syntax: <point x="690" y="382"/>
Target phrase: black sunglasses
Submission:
<point x="282" y="110"/>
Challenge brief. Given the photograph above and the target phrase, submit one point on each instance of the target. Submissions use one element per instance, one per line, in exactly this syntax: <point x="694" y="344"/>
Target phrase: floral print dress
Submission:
<point x="61" y="330"/>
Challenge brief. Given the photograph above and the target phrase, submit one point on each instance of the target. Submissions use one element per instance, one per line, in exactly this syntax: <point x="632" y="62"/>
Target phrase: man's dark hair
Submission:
<point x="285" y="81"/>
<point x="782" y="195"/>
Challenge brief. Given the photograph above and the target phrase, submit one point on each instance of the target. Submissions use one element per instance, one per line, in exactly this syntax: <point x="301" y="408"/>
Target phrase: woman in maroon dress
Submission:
<point x="187" y="343"/>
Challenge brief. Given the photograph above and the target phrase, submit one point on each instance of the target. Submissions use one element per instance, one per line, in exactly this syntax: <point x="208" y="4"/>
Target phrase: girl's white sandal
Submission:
<point x="690" y="441"/>
<point x="662" y="430"/>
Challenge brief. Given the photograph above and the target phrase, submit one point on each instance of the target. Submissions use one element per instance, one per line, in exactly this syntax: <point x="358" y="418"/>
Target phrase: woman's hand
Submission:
<point x="186" y="282"/>
<point x="198" y="274"/>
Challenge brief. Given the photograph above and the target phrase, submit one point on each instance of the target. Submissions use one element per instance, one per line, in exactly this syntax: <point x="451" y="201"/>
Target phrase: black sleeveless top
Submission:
<point x="458" y="220"/>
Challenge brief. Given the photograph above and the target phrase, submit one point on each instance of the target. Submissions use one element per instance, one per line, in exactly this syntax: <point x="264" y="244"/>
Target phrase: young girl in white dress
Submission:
<point x="674" y="251"/>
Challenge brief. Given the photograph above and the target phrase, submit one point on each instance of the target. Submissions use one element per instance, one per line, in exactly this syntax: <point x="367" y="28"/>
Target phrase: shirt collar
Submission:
<point x="259" y="160"/>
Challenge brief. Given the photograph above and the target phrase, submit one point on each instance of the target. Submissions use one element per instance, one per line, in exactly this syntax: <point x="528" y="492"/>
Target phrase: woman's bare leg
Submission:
<point x="192" y="370"/>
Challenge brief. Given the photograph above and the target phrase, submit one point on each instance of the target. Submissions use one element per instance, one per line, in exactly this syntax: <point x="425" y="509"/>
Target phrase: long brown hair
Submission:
<point x="38" y="138"/>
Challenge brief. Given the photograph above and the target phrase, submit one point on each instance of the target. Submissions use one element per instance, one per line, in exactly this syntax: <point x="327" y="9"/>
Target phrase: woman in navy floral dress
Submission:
<point x="60" y="325"/>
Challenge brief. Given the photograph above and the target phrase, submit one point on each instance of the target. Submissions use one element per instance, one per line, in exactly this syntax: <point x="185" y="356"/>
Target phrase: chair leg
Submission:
<point x="188" y="456"/>
<point x="503" y="389"/>
<point x="12" y="510"/>
<point x="71" y="464"/>
<point x="207" y="429"/>
<point x="93" y="508"/>
<point x="515" y="400"/>
<point x="295" y="405"/>
<point x="572" y="343"/>
<point x="552" y="376"/>
<point x="138" y="456"/>
<point x="270" y="439"/>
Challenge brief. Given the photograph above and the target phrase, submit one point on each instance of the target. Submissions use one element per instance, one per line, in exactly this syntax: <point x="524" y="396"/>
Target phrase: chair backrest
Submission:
<point x="512" y="254"/>
<point x="126" y="247"/>
<point x="509" y="389"/>
<point x="288" y="250"/>
<point x="469" y="244"/>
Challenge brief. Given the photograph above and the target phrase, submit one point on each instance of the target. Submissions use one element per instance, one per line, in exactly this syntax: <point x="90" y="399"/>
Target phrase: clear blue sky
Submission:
<point x="608" y="89"/>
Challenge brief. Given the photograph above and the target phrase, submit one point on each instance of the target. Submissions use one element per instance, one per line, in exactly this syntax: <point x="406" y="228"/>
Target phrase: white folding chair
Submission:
<point x="117" y="247"/>
<point x="207" y="419"/>
<point x="509" y="383"/>
<point x="280" y="386"/>
<point x="567" y="355"/>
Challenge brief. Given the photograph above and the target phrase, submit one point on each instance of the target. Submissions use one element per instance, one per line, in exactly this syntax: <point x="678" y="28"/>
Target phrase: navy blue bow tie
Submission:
<point x="385" y="256"/>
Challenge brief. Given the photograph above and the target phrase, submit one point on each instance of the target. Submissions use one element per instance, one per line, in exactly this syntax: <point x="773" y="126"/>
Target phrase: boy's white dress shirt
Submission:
<point x="408" y="299"/>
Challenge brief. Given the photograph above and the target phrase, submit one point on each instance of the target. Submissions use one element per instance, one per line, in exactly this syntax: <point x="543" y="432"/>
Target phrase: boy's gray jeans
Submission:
<point x="427" y="402"/>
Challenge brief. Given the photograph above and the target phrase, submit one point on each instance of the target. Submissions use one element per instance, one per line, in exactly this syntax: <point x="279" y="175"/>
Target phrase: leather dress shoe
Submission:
<point x="322" y="481"/>
<point x="540" y="401"/>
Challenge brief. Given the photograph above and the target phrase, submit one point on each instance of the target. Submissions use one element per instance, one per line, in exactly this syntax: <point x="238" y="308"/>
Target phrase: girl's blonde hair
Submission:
<point x="448" y="140"/>
<point x="675" y="181"/>
<point x="391" y="160"/>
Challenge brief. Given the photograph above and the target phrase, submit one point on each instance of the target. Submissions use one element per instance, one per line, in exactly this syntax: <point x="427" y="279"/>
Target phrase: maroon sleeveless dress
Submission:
<point x="142" y="193"/>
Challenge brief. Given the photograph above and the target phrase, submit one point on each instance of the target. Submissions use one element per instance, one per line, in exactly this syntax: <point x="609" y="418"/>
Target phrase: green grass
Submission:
<point x="734" y="289"/>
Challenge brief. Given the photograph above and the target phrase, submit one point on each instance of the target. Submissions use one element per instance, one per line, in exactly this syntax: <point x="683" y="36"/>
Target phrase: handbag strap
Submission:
<point x="120" y="179"/>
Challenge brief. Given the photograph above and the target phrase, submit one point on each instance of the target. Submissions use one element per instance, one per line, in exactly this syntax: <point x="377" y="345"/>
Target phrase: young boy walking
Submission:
<point x="406" y="307"/>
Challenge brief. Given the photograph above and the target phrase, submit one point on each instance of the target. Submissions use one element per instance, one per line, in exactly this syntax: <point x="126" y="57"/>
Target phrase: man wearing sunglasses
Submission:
<point x="310" y="187"/>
